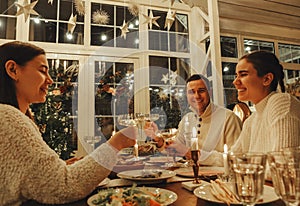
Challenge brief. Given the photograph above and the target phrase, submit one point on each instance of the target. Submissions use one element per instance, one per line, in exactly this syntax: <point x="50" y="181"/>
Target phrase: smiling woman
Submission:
<point x="276" y="122"/>
<point x="29" y="169"/>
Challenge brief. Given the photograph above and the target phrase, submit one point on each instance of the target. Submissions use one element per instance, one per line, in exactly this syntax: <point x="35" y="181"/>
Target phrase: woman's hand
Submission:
<point x="124" y="138"/>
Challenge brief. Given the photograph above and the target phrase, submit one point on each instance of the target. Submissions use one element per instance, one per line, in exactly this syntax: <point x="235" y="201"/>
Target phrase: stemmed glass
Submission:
<point x="285" y="170"/>
<point x="195" y="157"/>
<point x="168" y="135"/>
<point x="249" y="176"/>
<point x="138" y="120"/>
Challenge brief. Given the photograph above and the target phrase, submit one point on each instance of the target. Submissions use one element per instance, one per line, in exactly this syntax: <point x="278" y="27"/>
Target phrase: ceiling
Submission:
<point x="283" y="13"/>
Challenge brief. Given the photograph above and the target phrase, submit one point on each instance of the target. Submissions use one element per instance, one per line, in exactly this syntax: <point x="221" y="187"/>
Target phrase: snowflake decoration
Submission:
<point x="100" y="17"/>
<point x="134" y="9"/>
<point x="79" y="7"/>
<point x="170" y="78"/>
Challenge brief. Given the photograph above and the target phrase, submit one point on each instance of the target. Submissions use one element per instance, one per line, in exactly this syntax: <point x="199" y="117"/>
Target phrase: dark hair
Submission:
<point x="266" y="62"/>
<point x="197" y="77"/>
<point x="21" y="53"/>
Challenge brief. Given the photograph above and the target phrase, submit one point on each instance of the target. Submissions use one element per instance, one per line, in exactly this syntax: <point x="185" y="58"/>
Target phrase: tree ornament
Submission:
<point x="170" y="19"/>
<point x="79" y="7"/>
<point x="151" y="19"/>
<point x="72" y="23"/>
<point x="100" y="17"/>
<point x="134" y="8"/>
<point x="124" y="29"/>
<point x="26" y="9"/>
<point x="50" y="2"/>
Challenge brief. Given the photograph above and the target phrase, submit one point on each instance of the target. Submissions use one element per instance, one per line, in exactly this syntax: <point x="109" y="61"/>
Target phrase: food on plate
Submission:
<point x="223" y="192"/>
<point x="130" y="196"/>
<point x="147" y="149"/>
<point x="150" y="174"/>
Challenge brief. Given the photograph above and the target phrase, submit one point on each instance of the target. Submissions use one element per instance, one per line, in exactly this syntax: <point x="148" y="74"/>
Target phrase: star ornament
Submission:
<point x="151" y="19"/>
<point x="124" y="29"/>
<point x="72" y="23"/>
<point x="26" y="9"/>
<point x="170" y="19"/>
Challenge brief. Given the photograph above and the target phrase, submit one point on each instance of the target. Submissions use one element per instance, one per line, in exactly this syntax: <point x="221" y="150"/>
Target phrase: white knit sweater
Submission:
<point x="29" y="169"/>
<point x="274" y="125"/>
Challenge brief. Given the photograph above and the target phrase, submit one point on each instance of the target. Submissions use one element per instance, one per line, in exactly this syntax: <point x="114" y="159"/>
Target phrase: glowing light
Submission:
<point x="69" y="36"/>
<point x="248" y="48"/>
<point x="37" y="20"/>
<point x="131" y="26"/>
<point x="137" y="41"/>
<point x="226" y="69"/>
<point x="103" y="37"/>
<point x="137" y="22"/>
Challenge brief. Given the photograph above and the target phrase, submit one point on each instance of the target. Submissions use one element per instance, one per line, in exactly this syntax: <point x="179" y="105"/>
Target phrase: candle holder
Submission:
<point x="195" y="158"/>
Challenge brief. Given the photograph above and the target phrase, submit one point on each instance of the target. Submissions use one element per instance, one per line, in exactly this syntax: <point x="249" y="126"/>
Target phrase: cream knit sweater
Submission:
<point x="29" y="169"/>
<point x="274" y="125"/>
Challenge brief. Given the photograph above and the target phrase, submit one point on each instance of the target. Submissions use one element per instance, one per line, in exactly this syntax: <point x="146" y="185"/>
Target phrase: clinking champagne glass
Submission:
<point x="249" y="176"/>
<point x="168" y="135"/>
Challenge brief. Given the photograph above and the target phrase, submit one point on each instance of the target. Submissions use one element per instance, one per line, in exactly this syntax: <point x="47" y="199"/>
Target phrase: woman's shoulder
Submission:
<point x="282" y="104"/>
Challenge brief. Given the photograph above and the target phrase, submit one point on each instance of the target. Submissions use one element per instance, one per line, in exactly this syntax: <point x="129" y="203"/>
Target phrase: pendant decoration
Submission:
<point x="72" y="23"/>
<point x="26" y="9"/>
<point x="124" y="29"/>
<point x="79" y="7"/>
<point x="170" y="19"/>
<point x="100" y="17"/>
<point x="134" y="8"/>
<point x="151" y="19"/>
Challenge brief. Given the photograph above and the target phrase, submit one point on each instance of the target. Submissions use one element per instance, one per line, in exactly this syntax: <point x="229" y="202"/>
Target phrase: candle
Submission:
<point x="136" y="150"/>
<point x="225" y="159"/>
<point x="194" y="140"/>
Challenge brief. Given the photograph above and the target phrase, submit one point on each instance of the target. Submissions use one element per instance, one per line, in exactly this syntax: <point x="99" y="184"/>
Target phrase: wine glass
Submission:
<point x="285" y="170"/>
<point x="138" y="120"/>
<point x="169" y="135"/>
<point x="195" y="157"/>
<point x="249" y="176"/>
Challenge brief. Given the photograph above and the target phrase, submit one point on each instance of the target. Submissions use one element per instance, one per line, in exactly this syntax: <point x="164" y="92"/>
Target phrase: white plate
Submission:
<point x="171" y="196"/>
<point x="138" y="175"/>
<point x="162" y="159"/>
<point x="203" y="192"/>
<point x="203" y="171"/>
<point x="104" y="182"/>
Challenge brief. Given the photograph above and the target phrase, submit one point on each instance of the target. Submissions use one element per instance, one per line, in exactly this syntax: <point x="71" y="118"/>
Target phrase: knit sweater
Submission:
<point x="30" y="170"/>
<point x="218" y="126"/>
<point x="274" y="125"/>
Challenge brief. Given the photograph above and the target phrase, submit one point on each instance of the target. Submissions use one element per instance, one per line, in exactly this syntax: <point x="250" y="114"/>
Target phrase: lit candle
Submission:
<point x="225" y="154"/>
<point x="194" y="140"/>
<point x="136" y="150"/>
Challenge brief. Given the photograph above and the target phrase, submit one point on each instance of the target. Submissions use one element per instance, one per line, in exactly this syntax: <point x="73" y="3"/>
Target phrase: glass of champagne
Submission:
<point x="195" y="157"/>
<point x="249" y="176"/>
<point x="168" y="135"/>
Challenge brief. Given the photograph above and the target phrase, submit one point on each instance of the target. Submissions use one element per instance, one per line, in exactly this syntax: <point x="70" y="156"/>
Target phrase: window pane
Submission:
<point x="179" y="42"/>
<point x="158" y="41"/>
<point x="7" y="27"/>
<point x="289" y="53"/>
<point x="252" y="45"/>
<point x="228" y="73"/>
<point x="44" y="31"/>
<point x="75" y="38"/>
<point x="228" y="47"/>
<point x="101" y="35"/>
<point x="49" y="11"/>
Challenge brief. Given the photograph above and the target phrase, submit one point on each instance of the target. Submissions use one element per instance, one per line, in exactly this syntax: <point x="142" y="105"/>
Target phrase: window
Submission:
<point x="167" y="89"/>
<point x="228" y="47"/>
<point x="252" y="45"/>
<point x="228" y="73"/>
<point x="289" y="53"/>
<point x="176" y="39"/>
<point x="8" y="20"/>
<point x="53" y="25"/>
<point x="110" y="34"/>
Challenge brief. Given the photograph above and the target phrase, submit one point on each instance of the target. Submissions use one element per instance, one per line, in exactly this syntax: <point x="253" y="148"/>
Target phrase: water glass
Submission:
<point x="285" y="170"/>
<point x="248" y="171"/>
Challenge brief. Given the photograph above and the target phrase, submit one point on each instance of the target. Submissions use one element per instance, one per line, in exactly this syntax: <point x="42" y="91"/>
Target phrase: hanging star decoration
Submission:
<point x="50" y="2"/>
<point x="26" y="9"/>
<point x="172" y="1"/>
<point x="100" y="17"/>
<point x="173" y="76"/>
<point x="79" y="7"/>
<point x="72" y="23"/>
<point x="165" y="78"/>
<point x="134" y="9"/>
<point x="124" y="29"/>
<point x="151" y="19"/>
<point x="170" y="19"/>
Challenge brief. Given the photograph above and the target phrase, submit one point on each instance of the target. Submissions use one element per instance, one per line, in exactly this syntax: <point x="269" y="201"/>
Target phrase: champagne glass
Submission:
<point x="168" y="135"/>
<point x="249" y="176"/>
<point x="285" y="170"/>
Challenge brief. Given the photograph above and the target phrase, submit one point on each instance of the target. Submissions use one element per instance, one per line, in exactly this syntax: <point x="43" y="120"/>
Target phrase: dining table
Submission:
<point x="185" y="197"/>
